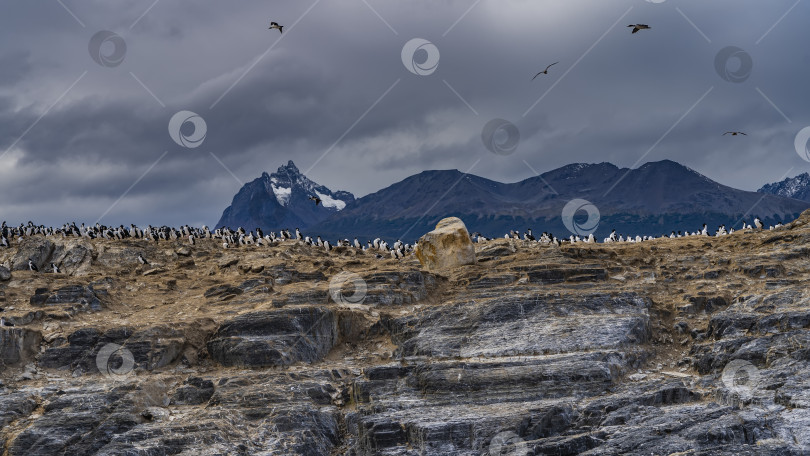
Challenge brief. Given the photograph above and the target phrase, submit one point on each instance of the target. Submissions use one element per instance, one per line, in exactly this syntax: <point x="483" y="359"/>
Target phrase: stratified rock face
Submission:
<point x="697" y="345"/>
<point x="448" y="246"/>
<point x="195" y="391"/>
<point x="151" y="348"/>
<point x="17" y="345"/>
<point x="517" y="323"/>
<point x="275" y="338"/>
<point x="71" y="299"/>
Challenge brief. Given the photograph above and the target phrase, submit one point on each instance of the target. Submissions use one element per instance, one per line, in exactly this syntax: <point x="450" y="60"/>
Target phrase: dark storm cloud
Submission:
<point x="16" y="65"/>
<point x="303" y="98"/>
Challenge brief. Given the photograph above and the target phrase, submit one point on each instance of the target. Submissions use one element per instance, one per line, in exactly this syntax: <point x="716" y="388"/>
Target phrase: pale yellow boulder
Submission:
<point x="446" y="247"/>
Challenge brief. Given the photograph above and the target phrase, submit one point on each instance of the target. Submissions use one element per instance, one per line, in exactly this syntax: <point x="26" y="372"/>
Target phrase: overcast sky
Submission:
<point x="86" y="137"/>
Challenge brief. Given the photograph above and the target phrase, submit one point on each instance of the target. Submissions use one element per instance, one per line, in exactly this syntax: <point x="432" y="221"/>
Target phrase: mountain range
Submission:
<point x="654" y="199"/>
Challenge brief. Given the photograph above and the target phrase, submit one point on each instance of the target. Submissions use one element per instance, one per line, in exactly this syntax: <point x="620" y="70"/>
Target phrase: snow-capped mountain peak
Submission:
<point x="281" y="200"/>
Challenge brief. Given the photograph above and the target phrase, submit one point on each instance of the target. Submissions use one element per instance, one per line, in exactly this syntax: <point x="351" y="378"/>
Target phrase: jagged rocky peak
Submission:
<point x="282" y="200"/>
<point x="288" y="177"/>
<point x="792" y="187"/>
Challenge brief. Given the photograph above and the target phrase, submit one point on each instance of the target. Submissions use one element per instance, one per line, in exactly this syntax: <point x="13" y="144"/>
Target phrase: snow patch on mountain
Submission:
<point x="328" y="201"/>
<point x="282" y="194"/>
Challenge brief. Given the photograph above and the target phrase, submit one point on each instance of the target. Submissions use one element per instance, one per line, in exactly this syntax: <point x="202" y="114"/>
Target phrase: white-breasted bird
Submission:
<point x="274" y="25"/>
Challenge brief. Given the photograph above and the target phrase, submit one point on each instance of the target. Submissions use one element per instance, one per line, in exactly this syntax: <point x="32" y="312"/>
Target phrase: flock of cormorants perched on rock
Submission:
<point x="548" y="238"/>
<point x="234" y="238"/>
<point x="230" y="238"/>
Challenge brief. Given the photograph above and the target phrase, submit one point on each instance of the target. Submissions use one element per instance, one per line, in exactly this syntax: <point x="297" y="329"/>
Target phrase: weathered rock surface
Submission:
<point x="17" y="345"/>
<point x="446" y="247"/>
<point x="151" y="348"/>
<point x="684" y="346"/>
<point x="71" y="299"/>
<point x="37" y="250"/>
<point x="275" y="338"/>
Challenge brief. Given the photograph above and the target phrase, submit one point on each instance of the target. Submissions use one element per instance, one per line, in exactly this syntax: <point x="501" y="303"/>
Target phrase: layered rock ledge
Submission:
<point x="692" y="346"/>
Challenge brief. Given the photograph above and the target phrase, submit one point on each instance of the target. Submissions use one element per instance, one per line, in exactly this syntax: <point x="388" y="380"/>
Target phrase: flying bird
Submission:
<point x="637" y="27"/>
<point x="545" y="71"/>
<point x="734" y="133"/>
<point x="274" y="25"/>
<point x="316" y="199"/>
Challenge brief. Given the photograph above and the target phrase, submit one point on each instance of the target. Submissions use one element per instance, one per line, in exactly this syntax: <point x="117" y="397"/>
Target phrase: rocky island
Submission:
<point x="689" y="346"/>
